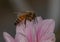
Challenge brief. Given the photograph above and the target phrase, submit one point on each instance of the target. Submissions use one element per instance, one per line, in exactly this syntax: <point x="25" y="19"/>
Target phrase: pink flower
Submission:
<point x="39" y="31"/>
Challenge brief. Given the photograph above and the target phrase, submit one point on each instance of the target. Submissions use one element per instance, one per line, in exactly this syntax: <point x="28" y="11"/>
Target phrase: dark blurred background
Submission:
<point x="9" y="10"/>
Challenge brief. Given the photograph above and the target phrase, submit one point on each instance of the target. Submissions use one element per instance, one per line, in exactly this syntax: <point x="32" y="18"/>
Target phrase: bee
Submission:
<point x="25" y="16"/>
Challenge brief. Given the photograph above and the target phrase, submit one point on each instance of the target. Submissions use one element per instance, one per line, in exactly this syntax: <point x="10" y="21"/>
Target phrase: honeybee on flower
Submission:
<point x="42" y="31"/>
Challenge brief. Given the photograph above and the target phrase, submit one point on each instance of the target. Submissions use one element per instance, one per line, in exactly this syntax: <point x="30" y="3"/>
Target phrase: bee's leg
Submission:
<point x="35" y="20"/>
<point x="25" y="23"/>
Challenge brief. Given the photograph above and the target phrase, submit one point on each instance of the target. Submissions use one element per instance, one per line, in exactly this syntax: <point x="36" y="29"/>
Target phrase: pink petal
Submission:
<point x="47" y="29"/>
<point x="30" y="31"/>
<point x="21" y="38"/>
<point x="39" y="21"/>
<point x="48" y="36"/>
<point x="20" y="28"/>
<point x="38" y="24"/>
<point x="47" y="26"/>
<point x="7" y="37"/>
